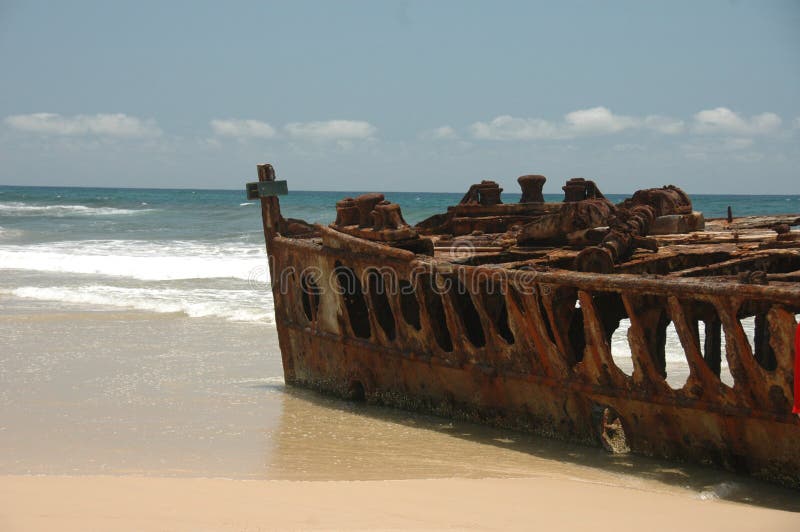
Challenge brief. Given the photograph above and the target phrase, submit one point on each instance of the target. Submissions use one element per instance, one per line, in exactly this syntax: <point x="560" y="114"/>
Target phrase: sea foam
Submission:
<point x="233" y="305"/>
<point x="140" y="259"/>
<point x="15" y="208"/>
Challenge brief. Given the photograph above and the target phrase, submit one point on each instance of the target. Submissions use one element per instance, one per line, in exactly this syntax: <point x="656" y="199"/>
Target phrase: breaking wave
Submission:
<point x="232" y="305"/>
<point x="16" y="208"/>
<point x="140" y="259"/>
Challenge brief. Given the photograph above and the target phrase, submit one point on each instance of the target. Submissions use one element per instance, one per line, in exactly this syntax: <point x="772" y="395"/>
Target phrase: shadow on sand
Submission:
<point x="325" y="438"/>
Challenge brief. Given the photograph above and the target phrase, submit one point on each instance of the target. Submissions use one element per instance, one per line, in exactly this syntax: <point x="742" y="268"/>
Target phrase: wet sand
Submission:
<point x="102" y="411"/>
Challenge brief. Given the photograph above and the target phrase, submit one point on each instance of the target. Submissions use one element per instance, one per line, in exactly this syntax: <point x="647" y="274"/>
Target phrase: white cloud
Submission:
<point x="583" y="122"/>
<point x="726" y="122"/>
<point x="440" y="133"/>
<point x="597" y="121"/>
<point x="796" y="123"/>
<point x="507" y="127"/>
<point x="242" y="128"/>
<point x="331" y="130"/>
<point x="113" y="125"/>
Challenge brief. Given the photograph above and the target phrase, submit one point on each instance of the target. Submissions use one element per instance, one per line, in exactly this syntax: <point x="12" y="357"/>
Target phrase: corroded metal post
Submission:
<point x="270" y="206"/>
<point x="531" y="186"/>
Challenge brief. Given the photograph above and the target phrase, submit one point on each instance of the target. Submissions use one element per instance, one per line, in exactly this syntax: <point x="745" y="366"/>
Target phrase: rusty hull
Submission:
<point x="516" y="338"/>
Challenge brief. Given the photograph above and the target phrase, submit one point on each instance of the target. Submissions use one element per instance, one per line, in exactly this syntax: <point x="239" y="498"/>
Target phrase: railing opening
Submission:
<point x="517" y="299"/>
<point x="659" y="347"/>
<point x="546" y="319"/>
<point x="576" y="332"/>
<point x="620" y="348"/>
<point x="353" y="296"/>
<point x="495" y="304"/>
<point x="614" y="319"/>
<point x="762" y="350"/>
<point x="712" y="339"/>
<point x="675" y="365"/>
<point x="409" y="306"/>
<point x="469" y="314"/>
<point x="378" y="285"/>
<point x="436" y="315"/>
<point x="713" y="343"/>
<point x="309" y="296"/>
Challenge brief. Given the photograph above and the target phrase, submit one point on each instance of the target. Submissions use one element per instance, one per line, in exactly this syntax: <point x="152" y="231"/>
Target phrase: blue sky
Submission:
<point x="402" y="95"/>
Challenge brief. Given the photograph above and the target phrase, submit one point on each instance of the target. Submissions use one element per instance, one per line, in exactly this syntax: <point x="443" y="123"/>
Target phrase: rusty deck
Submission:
<point x="504" y="314"/>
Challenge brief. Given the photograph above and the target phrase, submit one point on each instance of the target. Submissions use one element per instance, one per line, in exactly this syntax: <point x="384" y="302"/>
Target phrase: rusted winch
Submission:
<point x="585" y="217"/>
<point x="372" y="217"/>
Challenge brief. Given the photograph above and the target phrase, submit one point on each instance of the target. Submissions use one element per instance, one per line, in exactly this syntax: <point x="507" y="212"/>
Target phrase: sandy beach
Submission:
<point x="127" y="420"/>
<point x="144" y="504"/>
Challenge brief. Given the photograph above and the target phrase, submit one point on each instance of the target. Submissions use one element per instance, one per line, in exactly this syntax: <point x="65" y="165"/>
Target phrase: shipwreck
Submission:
<point x="504" y="313"/>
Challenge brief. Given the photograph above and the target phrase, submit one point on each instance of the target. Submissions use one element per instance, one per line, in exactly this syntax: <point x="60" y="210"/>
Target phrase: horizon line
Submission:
<point x="358" y="191"/>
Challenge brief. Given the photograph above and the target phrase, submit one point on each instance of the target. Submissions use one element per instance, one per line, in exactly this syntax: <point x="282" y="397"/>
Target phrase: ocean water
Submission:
<point x="197" y="252"/>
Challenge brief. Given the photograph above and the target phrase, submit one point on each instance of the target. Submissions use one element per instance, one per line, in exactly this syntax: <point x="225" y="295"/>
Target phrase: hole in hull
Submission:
<point x="356" y="392"/>
<point x="612" y="432"/>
